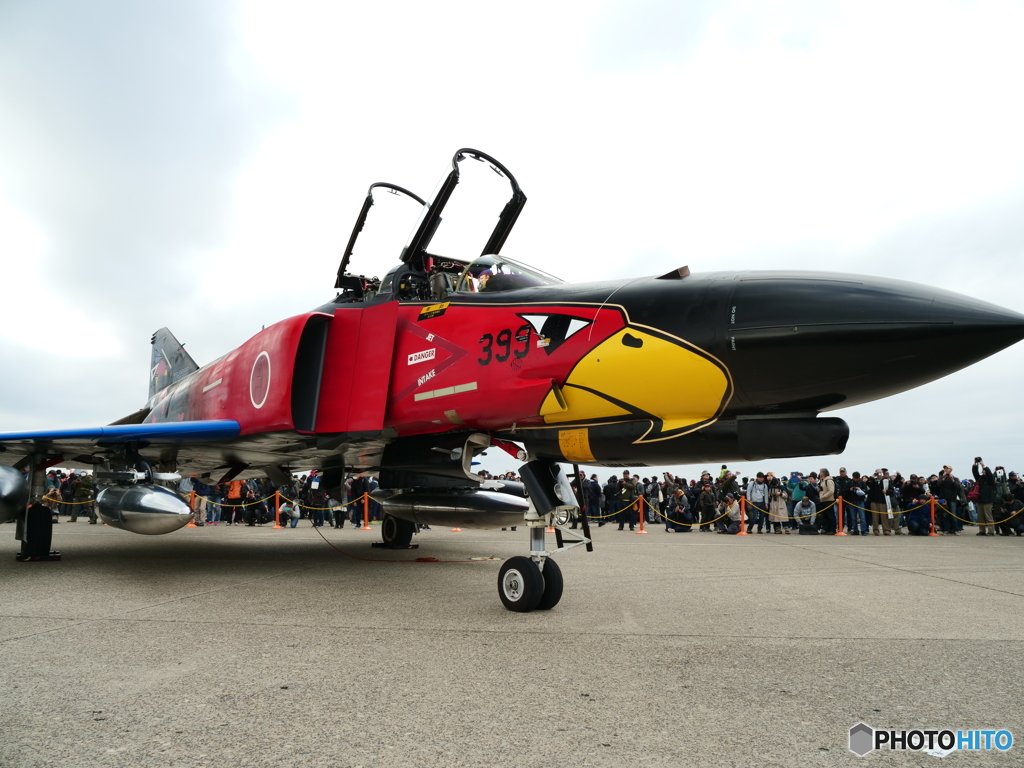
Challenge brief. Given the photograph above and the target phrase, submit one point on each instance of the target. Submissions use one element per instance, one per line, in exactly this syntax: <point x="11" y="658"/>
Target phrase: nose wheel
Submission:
<point x="535" y="582"/>
<point x="522" y="586"/>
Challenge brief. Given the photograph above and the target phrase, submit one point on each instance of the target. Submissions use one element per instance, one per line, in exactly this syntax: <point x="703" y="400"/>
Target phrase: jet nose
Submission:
<point x="821" y="341"/>
<point x="983" y="327"/>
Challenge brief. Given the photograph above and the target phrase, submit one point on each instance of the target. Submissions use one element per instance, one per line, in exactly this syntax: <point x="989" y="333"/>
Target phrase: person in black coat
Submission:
<point x="986" y="496"/>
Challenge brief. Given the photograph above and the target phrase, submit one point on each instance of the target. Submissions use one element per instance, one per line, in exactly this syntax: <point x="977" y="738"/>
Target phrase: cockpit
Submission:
<point x="423" y="276"/>
<point x="494" y="274"/>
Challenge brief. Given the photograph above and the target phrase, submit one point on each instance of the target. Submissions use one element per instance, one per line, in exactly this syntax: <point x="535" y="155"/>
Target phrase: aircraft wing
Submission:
<point x="73" y="443"/>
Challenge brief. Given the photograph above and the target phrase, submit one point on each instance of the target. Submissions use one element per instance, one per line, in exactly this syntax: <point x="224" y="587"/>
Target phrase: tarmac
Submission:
<point x="237" y="646"/>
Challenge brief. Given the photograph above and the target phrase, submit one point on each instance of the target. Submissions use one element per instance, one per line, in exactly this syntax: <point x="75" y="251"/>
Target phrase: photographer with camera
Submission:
<point x="986" y="496"/>
<point x="626" y="493"/>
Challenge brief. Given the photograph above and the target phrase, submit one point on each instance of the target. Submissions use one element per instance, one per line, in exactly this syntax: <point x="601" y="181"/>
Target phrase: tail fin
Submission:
<point x="170" y="361"/>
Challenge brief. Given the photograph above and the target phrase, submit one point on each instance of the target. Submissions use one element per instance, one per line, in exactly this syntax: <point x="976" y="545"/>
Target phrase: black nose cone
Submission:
<point x="820" y="341"/>
<point x="979" y="328"/>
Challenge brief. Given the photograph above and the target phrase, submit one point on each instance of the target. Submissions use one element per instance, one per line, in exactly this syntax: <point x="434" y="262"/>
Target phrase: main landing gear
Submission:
<point x="397" y="534"/>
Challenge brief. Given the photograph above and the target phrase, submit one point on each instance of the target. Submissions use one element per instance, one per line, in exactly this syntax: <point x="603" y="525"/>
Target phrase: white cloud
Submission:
<point x="851" y="136"/>
<point x="35" y="318"/>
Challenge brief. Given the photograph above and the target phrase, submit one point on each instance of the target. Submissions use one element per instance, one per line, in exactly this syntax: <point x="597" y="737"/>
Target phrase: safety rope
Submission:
<point x="893" y="511"/>
<point x="339" y="505"/>
<point x="787" y="517"/>
<point x="613" y="514"/>
<point x="1000" y="522"/>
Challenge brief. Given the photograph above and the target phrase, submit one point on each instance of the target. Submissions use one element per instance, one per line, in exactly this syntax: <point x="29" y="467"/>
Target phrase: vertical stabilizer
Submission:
<point x="170" y="361"/>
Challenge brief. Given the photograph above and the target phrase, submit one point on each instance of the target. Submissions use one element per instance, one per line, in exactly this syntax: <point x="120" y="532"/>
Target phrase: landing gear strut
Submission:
<point x="535" y="582"/>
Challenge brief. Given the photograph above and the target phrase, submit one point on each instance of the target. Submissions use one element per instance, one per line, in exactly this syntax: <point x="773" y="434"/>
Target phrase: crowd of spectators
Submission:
<point x="258" y="501"/>
<point x="881" y="503"/>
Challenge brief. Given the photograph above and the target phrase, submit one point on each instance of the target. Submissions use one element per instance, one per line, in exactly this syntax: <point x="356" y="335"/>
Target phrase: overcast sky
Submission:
<point x="198" y="165"/>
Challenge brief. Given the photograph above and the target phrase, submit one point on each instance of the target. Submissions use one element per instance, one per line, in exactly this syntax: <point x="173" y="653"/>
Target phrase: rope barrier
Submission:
<point x="613" y="514"/>
<point x="228" y="504"/>
<point x="998" y="522"/>
<point x="338" y="506"/>
<point x="696" y="523"/>
<point x="894" y="511"/>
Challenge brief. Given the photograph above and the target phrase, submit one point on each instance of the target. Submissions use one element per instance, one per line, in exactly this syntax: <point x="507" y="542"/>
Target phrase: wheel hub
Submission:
<point x="512" y="584"/>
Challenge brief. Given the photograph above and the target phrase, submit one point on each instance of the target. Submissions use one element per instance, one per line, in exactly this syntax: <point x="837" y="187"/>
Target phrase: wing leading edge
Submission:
<point x="173" y="433"/>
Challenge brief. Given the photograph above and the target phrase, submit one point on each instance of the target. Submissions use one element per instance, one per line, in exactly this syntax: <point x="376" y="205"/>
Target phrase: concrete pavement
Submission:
<point x="242" y="646"/>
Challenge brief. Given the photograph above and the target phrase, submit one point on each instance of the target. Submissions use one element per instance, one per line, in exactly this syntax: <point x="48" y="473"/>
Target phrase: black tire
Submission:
<point x="520" y="584"/>
<point x="396" y="532"/>
<point x="552" y="585"/>
<point x="38" y="532"/>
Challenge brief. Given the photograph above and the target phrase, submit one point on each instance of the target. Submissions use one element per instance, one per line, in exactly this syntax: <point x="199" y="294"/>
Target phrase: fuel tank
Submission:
<point x="466" y="508"/>
<point x="13" y="493"/>
<point x="146" y="509"/>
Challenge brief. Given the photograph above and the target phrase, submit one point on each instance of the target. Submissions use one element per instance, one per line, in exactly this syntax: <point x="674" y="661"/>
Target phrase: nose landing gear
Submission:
<point x="535" y="582"/>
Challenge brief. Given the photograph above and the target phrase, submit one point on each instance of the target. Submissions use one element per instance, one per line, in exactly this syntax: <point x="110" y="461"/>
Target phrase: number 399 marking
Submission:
<point x="503" y="341"/>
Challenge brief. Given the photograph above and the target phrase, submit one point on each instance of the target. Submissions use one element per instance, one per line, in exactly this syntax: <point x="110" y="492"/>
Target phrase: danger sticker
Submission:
<point x="419" y="357"/>
<point x="434" y="310"/>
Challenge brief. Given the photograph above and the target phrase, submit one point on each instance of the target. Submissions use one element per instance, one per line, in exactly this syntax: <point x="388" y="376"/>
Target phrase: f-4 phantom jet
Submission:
<point x="412" y="376"/>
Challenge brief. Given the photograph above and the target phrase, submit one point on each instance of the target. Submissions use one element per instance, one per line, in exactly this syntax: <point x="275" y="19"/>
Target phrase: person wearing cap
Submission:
<point x="1013" y="511"/>
<point x="812" y="491"/>
<point x="1016" y="487"/>
<point x="733" y="515"/>
<point x="707" y="505"/>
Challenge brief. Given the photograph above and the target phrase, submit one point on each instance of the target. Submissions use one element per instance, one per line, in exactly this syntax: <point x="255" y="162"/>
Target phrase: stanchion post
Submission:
<point x="277" y="510"/>
<point x="931" y="505"/>
<point x="839" y="506"/>
<point x="640" y="505"/>
<point x="743" y="517"/>
<point x="192" y="506"/>
<point x="366" y="513"/>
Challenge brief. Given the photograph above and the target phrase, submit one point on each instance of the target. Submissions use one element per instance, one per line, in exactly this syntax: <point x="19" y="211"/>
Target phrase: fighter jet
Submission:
<point x="412" y="376"/>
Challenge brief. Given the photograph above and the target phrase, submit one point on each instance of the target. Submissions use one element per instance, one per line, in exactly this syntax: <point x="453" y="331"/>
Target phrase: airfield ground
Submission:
<point x="257" y="647"/>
